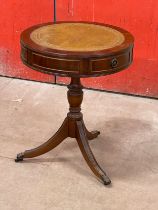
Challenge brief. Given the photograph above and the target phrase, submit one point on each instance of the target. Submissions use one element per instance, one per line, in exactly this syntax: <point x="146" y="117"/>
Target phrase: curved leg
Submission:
<point x="88" y="155"/>
<point x="91" y="135"/>
<point x="54" y="141"/>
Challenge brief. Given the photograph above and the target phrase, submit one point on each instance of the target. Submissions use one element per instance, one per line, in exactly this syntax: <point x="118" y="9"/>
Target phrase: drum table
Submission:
<point x="76" y="50"/>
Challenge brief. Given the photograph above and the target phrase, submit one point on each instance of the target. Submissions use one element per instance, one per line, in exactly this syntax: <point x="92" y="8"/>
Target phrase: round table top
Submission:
<point x="77" y="37"/>
<point x="80" y="49"/>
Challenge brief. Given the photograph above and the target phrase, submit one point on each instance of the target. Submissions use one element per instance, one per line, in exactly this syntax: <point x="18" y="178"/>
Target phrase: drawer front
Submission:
<point x="49" y="64"/>
<point x="81" y="67"/>
<point x="111" y="63"/>
<point x="56" y="64"/>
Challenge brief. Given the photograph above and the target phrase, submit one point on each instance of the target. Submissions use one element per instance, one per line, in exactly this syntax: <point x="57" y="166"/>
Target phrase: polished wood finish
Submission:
<point x="74" y="127"/>
<point x="75" y="64"/>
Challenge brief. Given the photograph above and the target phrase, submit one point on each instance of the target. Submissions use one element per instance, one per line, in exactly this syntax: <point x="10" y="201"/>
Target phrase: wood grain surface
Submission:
<point x="42" y="53"/>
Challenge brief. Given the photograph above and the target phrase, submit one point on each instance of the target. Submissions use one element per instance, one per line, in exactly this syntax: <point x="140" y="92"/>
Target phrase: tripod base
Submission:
<point x="74" y="127"/>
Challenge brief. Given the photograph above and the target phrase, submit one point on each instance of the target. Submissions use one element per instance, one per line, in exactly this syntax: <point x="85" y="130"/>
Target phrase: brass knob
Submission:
<point x="114" y="63"/>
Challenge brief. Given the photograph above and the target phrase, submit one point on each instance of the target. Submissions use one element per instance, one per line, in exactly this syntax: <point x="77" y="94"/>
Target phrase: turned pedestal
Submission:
<point x="74" y="127"/>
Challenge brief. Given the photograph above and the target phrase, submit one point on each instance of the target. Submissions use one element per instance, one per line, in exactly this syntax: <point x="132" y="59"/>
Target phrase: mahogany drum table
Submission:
<point x="76" y="50"/>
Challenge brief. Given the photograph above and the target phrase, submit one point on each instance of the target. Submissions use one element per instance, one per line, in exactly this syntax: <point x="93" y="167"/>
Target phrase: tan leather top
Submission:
<point x="77" y="37"/>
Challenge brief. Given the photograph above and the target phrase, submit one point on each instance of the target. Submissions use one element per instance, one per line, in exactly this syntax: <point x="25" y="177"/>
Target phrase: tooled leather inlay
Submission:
<point x="77" y="37"/>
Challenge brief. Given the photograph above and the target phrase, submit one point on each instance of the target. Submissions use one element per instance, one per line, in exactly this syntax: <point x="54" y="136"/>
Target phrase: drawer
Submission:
<point x="57" y="64"/>
<point x="111" y="63"/>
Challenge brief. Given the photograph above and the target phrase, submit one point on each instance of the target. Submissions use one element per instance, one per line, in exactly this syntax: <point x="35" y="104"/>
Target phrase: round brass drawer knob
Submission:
<point x="114" y="63"/>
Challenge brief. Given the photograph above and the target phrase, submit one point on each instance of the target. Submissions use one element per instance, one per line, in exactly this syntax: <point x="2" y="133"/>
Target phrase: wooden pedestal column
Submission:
<point x="74" y="127"/>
